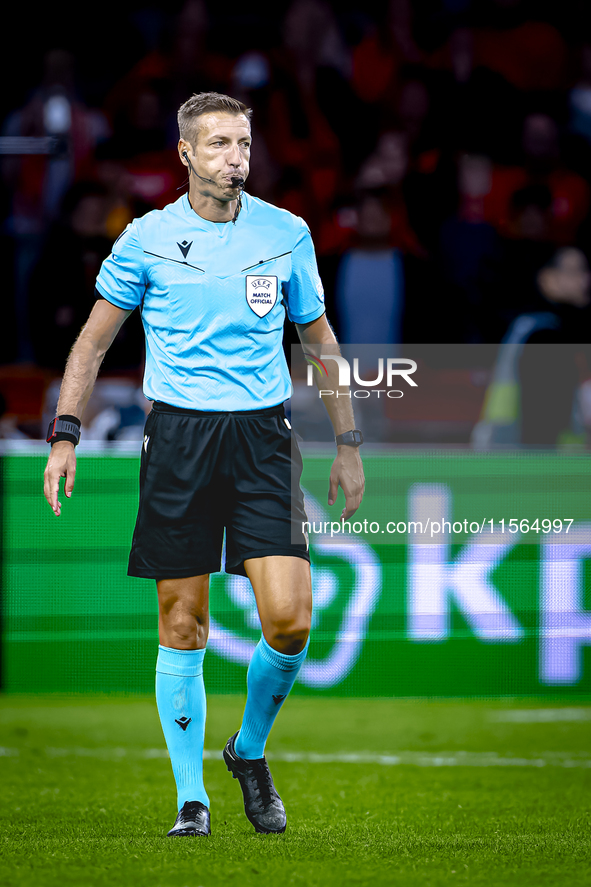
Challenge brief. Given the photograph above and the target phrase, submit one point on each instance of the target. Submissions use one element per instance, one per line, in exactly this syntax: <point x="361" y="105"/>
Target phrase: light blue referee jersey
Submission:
<point x="213" y="298"/>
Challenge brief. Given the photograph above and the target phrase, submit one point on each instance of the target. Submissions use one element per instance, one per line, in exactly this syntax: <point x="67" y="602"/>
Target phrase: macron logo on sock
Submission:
<point x="183" y="723"/>
<point x="278" y="699"/>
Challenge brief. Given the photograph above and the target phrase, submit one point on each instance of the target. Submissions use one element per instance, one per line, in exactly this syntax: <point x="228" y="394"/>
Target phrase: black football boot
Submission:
<point x="192" y="821"/>
<point x="262" y="805"/>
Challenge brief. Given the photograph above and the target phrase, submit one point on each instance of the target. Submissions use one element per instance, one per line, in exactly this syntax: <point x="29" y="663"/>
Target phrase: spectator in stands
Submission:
<point x="54" y="109"/>
<point x="468" y="245"/>
<point x="555" y="362"/>
<point x="310" y="90"/>
<point x="386" y="168"/>
<point x="37" y="183"/>
<point x="510" y="286"/>
<point x="370" y="280"/>
<point x="386" y="44"/>
<point x="533" y="398"/>
<point x="182" y="61"/>
<point x="478" y="109"/>
<point x="139" y="144"/>
<point x="542" y="166"/>
<point x="62" y="285"/>
<point x="518" y="43"/>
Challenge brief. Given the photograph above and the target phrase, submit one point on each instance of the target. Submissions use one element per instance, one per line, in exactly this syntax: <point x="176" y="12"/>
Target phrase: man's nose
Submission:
<point x="233" y="155"/>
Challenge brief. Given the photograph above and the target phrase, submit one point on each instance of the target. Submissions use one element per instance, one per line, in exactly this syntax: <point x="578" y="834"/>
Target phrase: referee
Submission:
<point x="214" y="275"/>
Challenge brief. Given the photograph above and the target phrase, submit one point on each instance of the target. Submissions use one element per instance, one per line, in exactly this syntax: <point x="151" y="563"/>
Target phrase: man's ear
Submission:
<point x="183" y="148"/>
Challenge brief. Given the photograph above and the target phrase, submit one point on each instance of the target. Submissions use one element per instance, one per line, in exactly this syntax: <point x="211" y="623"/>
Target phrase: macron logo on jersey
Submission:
<point x="261" y="293"/>
<point x="185" y="247"/>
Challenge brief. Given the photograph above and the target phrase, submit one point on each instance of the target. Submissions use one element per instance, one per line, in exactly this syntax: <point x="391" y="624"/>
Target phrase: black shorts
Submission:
<point x="205" y="472"/>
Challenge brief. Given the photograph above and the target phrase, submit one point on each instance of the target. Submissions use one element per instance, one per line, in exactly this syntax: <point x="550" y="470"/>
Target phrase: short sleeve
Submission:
<point x="122" y="278"/>
<point x="305" y="293"/>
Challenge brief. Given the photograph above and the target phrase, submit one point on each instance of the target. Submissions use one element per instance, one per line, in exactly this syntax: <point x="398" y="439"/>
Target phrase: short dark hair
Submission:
<point x="204" y="103"/>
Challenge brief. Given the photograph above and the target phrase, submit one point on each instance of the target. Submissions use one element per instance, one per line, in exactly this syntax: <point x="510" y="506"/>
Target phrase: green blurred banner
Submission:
<point x="462" y="574"/>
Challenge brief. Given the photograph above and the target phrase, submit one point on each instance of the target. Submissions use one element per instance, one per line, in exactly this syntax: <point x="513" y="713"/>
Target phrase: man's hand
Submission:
<point x="61" y="463"/>
<point x="347" y="473"/>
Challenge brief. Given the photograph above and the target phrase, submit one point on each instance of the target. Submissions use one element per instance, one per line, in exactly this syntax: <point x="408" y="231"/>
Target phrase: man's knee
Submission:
<point x="288" y="636"/>
<point x="183" y="615"/>
<point x="183" y="629"/>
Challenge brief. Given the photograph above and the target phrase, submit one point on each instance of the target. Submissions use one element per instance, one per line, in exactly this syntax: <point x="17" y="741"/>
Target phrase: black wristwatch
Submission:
<point x="64" y="428"/>
<point x="350" y="438"/>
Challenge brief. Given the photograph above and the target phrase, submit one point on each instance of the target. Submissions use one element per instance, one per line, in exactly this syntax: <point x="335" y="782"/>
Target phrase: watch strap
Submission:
<point x="64" y="427"/>
<point x="352" y="438"/>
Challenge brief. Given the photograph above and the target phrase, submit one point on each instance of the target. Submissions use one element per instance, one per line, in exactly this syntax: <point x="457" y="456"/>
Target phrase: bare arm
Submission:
<point x="347" y="469"/>
<point x="80" y="374"/>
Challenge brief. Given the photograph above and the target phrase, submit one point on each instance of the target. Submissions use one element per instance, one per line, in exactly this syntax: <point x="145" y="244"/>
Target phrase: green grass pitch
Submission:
<point x="377" y="792"/>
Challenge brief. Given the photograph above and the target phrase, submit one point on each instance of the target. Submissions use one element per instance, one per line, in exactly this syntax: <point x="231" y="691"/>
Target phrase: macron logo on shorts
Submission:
<point x="146" y="442"/>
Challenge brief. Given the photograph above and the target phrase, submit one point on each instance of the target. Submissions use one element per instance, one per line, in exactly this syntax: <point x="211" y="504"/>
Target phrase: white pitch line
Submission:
<point x="541" y="715"/>
<point x="427" y="759"/>
<point x="402" y="758"/>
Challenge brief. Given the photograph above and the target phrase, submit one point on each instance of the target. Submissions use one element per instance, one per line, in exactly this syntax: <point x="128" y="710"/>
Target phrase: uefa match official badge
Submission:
<point x="261" y="293"/>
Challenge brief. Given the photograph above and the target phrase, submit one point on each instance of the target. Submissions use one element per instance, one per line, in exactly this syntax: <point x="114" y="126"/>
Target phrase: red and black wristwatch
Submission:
<point x="64" y="428"/>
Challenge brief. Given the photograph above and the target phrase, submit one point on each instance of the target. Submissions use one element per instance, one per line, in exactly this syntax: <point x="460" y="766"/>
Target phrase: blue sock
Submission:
<point x="271" y="675"/>
<point x="180" y="696"/>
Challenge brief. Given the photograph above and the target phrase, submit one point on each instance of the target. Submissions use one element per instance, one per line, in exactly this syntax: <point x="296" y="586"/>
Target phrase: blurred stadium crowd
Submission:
<point x="440" y="151"/>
